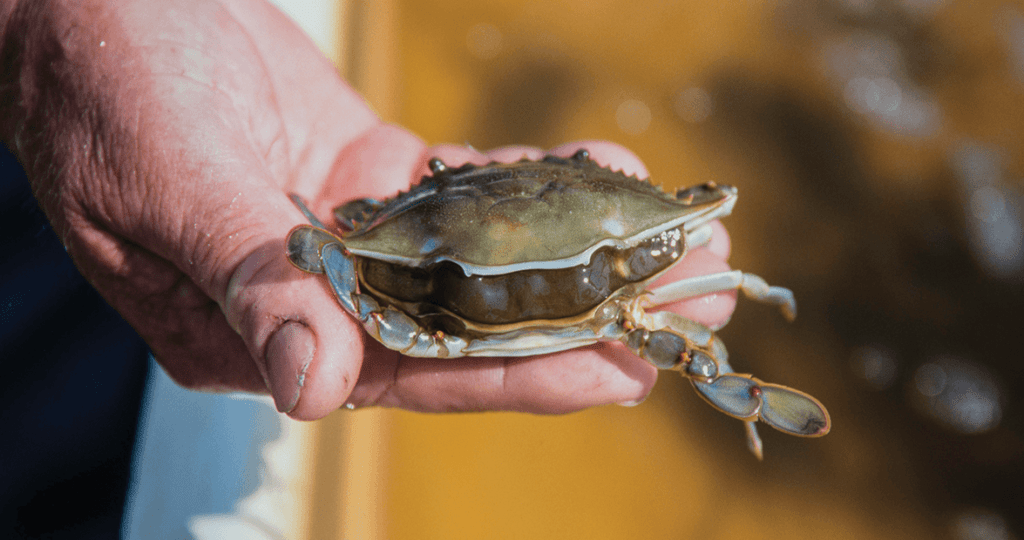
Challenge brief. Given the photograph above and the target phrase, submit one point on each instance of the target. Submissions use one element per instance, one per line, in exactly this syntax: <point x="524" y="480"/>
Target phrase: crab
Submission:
<point x="535" y="257"/>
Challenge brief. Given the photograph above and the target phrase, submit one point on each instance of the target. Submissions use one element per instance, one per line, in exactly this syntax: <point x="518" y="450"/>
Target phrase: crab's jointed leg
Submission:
<point x="301" y="204"/>
<point x="355" y="211"/>
<point x="753" y="287"/>
<point x="316" y="250"/>
<point x="698" y="236"/>
<point x="396" y="330"/>
<point x="670" y="341"/>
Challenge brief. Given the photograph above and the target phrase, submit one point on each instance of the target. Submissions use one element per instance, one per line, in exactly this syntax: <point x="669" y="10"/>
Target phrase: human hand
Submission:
<point x="161" y="139"/>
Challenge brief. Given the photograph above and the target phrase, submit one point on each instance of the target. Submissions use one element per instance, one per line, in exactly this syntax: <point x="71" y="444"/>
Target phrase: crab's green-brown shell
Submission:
<point x="500" y="218"/>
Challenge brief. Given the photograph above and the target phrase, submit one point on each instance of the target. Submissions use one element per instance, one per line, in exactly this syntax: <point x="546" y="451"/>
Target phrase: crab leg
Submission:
<point x="698" y="237"/>
<point x="396" y="330"/>
<point x="352" y="212"/>
<point x="318" y="251"/>
<point x="670" y="341"/>
<point x="306" y="211"/>
<point x="753" y="287"/>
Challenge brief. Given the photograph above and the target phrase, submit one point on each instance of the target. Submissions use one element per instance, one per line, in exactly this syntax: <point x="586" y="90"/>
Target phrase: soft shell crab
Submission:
<point x="541" y="256"/>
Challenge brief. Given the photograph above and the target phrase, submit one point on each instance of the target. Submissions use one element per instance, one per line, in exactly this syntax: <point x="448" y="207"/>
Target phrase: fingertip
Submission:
<point x="606" y="154"/>
<point x="635" y="377"/>
<point x="633" y="387"/>
<point x="290" y="351"/>
<point x="453" y="155"/>
<point x="307" y="349"/>
<point x="327" y="378"/>
<point x="720" y="244"/>
<point x="378" y="164"/>
<point x="573" y="380"/>
<point x="514" y="153"/>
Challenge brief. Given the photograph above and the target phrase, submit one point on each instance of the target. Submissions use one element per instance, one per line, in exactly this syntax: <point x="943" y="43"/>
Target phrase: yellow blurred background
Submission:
<point x="876" y="145"/>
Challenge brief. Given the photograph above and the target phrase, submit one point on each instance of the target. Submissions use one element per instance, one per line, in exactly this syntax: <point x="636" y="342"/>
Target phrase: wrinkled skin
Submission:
<point x="161" y="139"/>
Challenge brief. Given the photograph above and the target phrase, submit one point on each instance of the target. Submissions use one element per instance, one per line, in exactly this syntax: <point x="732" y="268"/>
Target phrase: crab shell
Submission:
<point x="479" y="251"/>
<point x="503" y="218"/>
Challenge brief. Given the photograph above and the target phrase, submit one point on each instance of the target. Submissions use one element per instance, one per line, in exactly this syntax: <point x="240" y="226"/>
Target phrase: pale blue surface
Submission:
<point x="197" y="454"/>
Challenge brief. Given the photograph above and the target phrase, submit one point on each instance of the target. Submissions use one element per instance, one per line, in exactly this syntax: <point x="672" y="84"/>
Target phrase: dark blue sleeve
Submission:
<point x="71" y="380"/>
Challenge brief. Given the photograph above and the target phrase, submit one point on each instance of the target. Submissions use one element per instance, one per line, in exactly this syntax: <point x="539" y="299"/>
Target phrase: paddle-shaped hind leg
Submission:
<point x="670" y="341"/>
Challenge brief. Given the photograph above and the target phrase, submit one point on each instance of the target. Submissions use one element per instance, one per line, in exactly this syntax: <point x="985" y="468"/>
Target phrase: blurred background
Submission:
<point x="877" y="147"/>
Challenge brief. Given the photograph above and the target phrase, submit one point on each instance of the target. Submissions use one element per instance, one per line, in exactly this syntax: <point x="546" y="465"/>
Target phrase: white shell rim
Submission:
<point x="691" y="221"/>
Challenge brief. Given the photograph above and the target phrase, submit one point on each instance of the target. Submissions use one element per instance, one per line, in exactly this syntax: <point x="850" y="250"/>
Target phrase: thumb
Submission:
<point x="307" y="349"/>
<point x="200" y="271"/>
<point x="311" y="351"/>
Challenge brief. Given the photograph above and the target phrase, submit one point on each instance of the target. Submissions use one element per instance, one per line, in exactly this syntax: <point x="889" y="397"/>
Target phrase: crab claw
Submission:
<point x="781" y="407"/>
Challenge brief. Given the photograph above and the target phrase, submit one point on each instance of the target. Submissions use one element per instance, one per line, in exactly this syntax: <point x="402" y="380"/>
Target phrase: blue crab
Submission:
<point x="541" y="256"/>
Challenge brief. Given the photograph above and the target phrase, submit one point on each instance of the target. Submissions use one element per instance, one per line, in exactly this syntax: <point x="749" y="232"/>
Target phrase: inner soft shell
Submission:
<point x="525" y="295"/>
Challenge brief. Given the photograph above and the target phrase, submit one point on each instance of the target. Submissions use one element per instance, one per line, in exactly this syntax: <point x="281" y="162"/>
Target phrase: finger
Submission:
<point x="378" y="164"/>
<point x="720" y="244"/>
<point x="514" y="153"/>
<point x="309" y="351"/>
<point x="544" y="384"/>
<point x="217" y="303"/>
<point x="607" y="154"/>
<point x="453" y="155"/>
